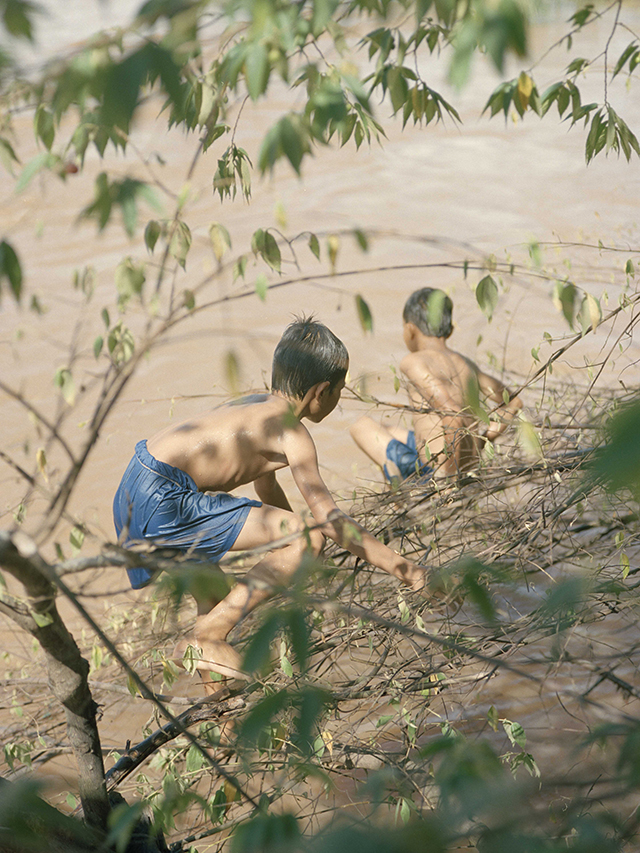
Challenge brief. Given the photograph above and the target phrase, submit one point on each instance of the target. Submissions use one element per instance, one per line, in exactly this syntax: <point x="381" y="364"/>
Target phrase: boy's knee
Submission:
<point x="356" y="427"/>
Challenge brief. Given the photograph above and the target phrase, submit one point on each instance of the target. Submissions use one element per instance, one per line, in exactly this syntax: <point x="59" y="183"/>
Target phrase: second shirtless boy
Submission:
<point x="442" y="386"/>
<point x="162" y="494"/>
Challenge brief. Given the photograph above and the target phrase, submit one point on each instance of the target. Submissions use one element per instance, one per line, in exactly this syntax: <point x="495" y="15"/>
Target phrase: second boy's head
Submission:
<point x="429" y="309"/>
<point x="308" y="354"/>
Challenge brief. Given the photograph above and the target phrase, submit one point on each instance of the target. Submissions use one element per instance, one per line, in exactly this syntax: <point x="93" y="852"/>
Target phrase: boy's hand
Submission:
<point x="413" y="575"/>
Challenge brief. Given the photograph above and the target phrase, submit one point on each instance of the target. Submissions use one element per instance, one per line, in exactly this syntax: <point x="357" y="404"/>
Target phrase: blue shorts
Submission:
<point x="405" y="456"/>
<point x="158" y="503"/>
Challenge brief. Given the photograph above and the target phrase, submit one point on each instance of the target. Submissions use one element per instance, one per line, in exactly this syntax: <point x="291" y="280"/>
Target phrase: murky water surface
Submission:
<point x="429" y="197"/>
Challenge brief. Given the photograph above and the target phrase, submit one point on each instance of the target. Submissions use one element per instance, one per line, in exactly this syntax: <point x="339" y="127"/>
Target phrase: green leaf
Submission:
<point x="180" y="243"/>
<point x="151" y="234"/>
<point x="63" y="380"/>
<point x="625" y="565"/>
<point x="298" y="631"/>
<point x="261" y="286"/>
<point x="76" y="538"/>
<point x="232" y="371"/>
<point x="515" y="733"/>
<point x="565" y="295"/>
<point x="631" y="50"/>
<point x="10" y="269"/>
<point x="259" y="717"/>
<point x="44" y="160"/>
<point x="194" y="760"/>
<point x="361" y="237"/>
<point x="590" y="313"/>
<point x="617" y="463"/>
<point x="129" y="279"/>
<point x="492" y="718"/>
<point x="239" y="267"/>
<point x="97" y="346"/>
<point x="314" y="245"/>
<point x="629" y="268"/>
<point x="121" y="89"/>
<point x="364" y="314"/>
<point x="7" y="155"/>
<point x="189" y="299"/>
<point x="121" y="344"/>
<point x="42" y="620"/>
<point x="17" y="17"/>
<point x="285" y="663"/>
<point x="122" y="822"/>
<point x="256" y="70"/>
<point x="271" y="251"/>
<point x="258" y="651"/>
<point x="263" y="243"/>
<point x="487" y="295"/>
<point x="44" y="127"/>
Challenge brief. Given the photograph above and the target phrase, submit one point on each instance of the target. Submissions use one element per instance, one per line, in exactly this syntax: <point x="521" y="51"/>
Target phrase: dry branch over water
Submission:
<point x="376" y="705"/>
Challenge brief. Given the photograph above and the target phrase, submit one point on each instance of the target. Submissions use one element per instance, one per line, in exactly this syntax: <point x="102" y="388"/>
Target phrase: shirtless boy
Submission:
<point x="441" y="385"/>
<point x="162" y="494"/>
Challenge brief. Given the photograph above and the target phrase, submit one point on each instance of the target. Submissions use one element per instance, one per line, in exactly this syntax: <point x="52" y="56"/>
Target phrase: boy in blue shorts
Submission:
<point x="176" y="490"/>
<point x="441" y="383"/>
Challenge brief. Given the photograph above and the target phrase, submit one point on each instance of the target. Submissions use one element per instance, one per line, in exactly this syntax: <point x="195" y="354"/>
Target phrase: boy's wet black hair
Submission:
<point x="307" y="353"/>
<point x="430" y="310"/>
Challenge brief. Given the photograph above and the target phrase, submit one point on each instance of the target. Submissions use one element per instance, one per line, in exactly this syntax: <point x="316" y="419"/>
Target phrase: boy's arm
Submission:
<point x="494" y="390"/>
<point x="270" y="492"/>
<point x="303" y="461"/>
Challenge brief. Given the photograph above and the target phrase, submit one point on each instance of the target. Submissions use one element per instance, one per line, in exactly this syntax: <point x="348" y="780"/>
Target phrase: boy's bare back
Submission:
<point x="439" y="384"/>
<point x="232" y="445"/>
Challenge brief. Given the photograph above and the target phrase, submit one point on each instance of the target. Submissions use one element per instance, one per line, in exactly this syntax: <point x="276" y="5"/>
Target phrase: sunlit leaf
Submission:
<point x="261" y="286"/>
<point x="220" y="239"/>
<point x="180" y="243"/>
<point x="590" y="313"/>
<point x="41" y="462"/>
<point x="333" y="246"/>
<point x="515" y="733"/>
<point x="529" y="439"/>
<point x="63" y="380"/>
<point x="129" y="279"/>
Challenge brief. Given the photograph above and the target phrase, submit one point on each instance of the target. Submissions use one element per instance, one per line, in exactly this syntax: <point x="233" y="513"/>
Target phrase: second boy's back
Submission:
<point x="443" y="386"/>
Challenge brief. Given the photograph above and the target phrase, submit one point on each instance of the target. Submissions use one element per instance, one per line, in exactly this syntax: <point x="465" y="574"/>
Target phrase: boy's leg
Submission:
<point x="373" y="439"/>
<point x="263" y="526"/>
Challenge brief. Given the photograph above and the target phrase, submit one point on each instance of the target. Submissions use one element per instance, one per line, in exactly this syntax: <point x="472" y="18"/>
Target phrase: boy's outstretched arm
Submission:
<point x="494" y="390"/>
<point x="303" y="460"/>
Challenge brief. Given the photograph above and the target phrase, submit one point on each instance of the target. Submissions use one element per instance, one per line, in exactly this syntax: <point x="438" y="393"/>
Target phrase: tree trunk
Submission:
<point x="68" y="671"/>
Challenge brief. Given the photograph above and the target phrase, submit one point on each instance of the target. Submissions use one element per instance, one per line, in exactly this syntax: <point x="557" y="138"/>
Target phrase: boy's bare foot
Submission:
<point x="211" y="656"/>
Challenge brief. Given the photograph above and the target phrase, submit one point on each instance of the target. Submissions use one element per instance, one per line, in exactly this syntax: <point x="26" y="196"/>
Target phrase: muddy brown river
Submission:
<point x="428" y="198"/>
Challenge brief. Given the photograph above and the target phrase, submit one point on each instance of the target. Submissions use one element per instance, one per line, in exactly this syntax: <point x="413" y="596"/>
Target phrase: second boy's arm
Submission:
<point x="301" y="455"/>
<point x="494" y="390"/>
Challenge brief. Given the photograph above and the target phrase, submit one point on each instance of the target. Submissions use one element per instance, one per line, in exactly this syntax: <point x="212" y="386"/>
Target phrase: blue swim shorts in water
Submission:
<point x="156" y="502"/>
<point x="405" y="456"/>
